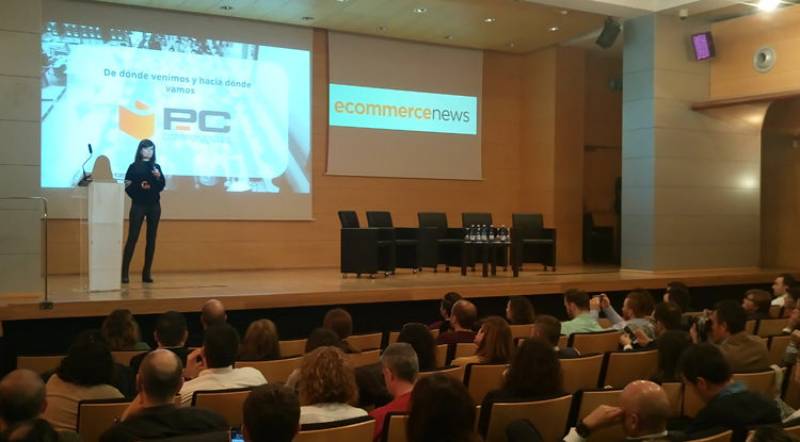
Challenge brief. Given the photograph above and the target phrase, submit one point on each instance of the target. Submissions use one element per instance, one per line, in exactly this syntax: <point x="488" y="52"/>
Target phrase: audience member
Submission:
<point x="756" y="304"/>
<point x="549" y="328"/>
<point x="213" y="313"/>
<point x="445" y="308"/>
<point x="327" y="387"/>
<point x="671" y="345"/>
<point x="341" y="323"/>
<point x="121" y="332"/>
<point x="260" y="342"/>
<point x="400" y="368"/>
<point x="441" y="410"/>
<point x="534" y="374"/>
<point x="171" y="333"/>
<point x="153" y="414"/>
<point x="211" y="367"/>
<point x="494" y="341"/>
<point x="666" y="316"/>
<point x="462" y="320"/>
<point x="793" y="329"/>
<point x="421" y="339"/>
<point x="35" y="430"/>
<point x="271" y="414"/>
<point x="85" y="373"/>
<point x="576" y="303"/>
<point x="743" y="351"/>
<point x="519" y="310"/>
<point x="22" y="398"/>
<point x="636" y="311"/>
<point x="728" y="404"/>
<point x="643" y="412"/>
<point x="319" y="337"/>
<point x="678" y="293"/>
<point x="780" y="287"/>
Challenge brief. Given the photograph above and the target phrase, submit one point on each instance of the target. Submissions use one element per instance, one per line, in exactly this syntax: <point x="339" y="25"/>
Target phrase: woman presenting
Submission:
<point x="144" y="182"/>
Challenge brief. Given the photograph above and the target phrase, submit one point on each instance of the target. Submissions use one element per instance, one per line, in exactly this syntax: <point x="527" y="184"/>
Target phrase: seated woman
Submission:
<point x="671" y="345"/>
<point x="121" y="331"/>
<point x="441" y="410"/>
<point x="85" y="373"/>
<point x="341" y="323"/>
<point x="535" y="374"/>
<point x="494" y="341"/>
<point x="319" y="337"/>
<point x="327" y="387"/>
<point x="260" y="343"/>
<point x="421" y="339"/>
<point x="519" y="311"/>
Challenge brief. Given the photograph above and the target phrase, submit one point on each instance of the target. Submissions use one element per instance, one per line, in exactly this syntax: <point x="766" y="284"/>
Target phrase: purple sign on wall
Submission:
<point x="703" y="45"/>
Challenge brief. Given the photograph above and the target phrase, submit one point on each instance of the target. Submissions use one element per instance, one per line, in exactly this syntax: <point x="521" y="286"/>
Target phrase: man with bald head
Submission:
<point x="462" y="319"/>
<point x="212" y="313"/>
<point x="153" y="414"/>
<point x="22" y="398"/>
<point x="643" y="412"/>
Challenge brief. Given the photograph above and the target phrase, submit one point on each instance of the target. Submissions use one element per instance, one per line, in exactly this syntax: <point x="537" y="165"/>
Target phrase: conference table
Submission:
<point x="488" y="251"/>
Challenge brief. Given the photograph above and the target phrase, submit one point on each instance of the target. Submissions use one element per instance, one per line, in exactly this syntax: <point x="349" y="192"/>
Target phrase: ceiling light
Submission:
<point x="489" y="20"/>
<point x="553" y="28"/>
<point x="420" y="10"/>
<point x="511" y="45"/>
<point x="564" y="12"/>
<point x="226" y="7"/>
<point x="448" y="37"/>
<point x="381" y="28"/>
<point x="342" y="1"/>
<point x="307" y="18"/>
<point x="768" y="5"/>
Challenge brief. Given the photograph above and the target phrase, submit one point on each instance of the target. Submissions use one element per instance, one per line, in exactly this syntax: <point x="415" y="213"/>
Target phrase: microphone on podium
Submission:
<point x="87" y="178"/>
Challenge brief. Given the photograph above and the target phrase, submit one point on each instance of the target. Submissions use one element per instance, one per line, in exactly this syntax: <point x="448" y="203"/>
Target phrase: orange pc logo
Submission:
<point x="135" y="124"/>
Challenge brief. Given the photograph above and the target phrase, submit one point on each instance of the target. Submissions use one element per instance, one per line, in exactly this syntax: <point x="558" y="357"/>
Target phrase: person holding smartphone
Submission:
<point x="144" y="182"/>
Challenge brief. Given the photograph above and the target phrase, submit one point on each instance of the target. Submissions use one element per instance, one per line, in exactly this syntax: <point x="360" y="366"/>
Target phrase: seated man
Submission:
<point x="22" y="398"/>
<point x="212" y="313"/>
<point x="462" y="320"/>
<point x="171" y="333"/>
<point x="643" y="412"/>
<point x="728" y="404"/>
<point x="576" y="302"/>
<point x="445" y="307"/>
<point x="667" y="317"/>
<point x="400" y="368"/>
<point x="549" y="328"/>
<point x="780" y="287"/>
<point x="153" y="414"/>
<point x="271" y="413"/>
<point x="211" y="367"/>
<point x="756" y="304"/>
<point x="743" y="351"/>
<point x="636" y="311"/>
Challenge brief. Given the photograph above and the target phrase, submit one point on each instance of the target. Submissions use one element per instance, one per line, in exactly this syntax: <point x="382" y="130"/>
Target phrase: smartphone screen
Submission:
<point x="236" y="435"/>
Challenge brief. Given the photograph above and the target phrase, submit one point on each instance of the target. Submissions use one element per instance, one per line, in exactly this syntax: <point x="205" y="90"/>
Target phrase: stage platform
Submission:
<point x="323" y="287"/>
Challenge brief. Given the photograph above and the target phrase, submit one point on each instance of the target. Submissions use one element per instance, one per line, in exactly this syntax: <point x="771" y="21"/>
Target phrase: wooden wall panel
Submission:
<point x="603" y="111"/>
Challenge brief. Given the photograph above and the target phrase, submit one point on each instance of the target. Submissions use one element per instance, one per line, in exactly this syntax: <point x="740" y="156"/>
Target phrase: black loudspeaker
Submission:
<point x="609" y="34"/>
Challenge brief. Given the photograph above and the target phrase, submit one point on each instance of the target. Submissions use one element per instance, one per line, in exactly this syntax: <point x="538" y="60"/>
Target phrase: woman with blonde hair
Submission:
<point x="260" y="343"/>
<point x="327" y="387"/>
<point x="121" y="332"/>
<point x="494" y="341"/>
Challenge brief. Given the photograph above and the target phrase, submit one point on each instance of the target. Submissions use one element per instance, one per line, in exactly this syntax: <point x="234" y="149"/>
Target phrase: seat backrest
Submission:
<point x="521" y="330"/>
<point x="750" y="326"/>
<point x="217" y="436"/>
<point x="777" y="347"/>
<point x="464" y="349"/>
<point x="476" y="219"/>
<point x="771" y="327"/>
<point x="364" y="358"/>
<point x="692" y="404"/>
<point x="562" y="341"/>
<point x="124" y="357"/>
<point x="379" y="219"/>
<point x="581" y="373"/>
<point x="355" y="432"/>
<point x="775" y="311"/>
<point x="761" y="382"/>
<point x="794" y="430"/>
<point x="227" y="403"/>
<point x="274" y="371"/>
<point x="296" y="347"/>
<point x="599" y="342"/>
<point x="440" y="355"/>
<point x="548" y="416"/>
<point x="483" y="378"/>
<point x="395" y="428"/>
<point x="674" y="391"/>
<point x="527" y="223"/>
<point x="432" y="219"/>
<point x="39" y="364"/>
<point x="719" y="437"/>
<point x="590" y="400"/>
<point x="349" y="219"/>
<point x="370" y="341"/>
<point x="97" y="416"/>
<point x="627" y="366"/>
<point x="455" y="372"/>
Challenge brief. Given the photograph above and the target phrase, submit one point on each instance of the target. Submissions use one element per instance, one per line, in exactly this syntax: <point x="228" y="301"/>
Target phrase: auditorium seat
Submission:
<point x="674" y="391"/>
<point x="531" y="241"/>
<point x="438" y="243"/>
<point x="395" y="334"/>
<point x="770" y="327"/>
<point x="598" y="342"/>
<point x="39" y="364"/>
<point x="359" y="429"/>
<point x="456" y="372"/>
<point x="794" y="430"/>
<point x="548" y="416"/>
<point x="405" y="239"/>
<point x="441" y="355"/>
<point x="97" y="416"/>
<point x="775" y="311"/>
<point x="228" y="403"/>
<point x="591" y="399"/>
<point x="581" y="373"/>
<point x="364" y="250"/>
<point x="719" y="437"/>
<point x="370" y="341"/>
<point x="364" y="358"/>
<point x="521" y="330"/>
<point x="692" y="403"/>
<point x="750" y="326"/>
<point x="464" y="349"/>
<point x="483" y="378"/>
<point x="624" y="367"/>
<point x="777" y="347"/>
<point x="274" y="371"/>
<point x="395" y="427"/>
<point x="761" y="382"/>
<point x="296" y="347"/>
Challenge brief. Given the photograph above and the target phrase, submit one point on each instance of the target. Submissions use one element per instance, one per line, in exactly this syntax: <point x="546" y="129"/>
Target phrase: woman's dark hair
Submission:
<point x="520" y="310"/>
<point x="441" y="410"/>
<point x="448" y="300"/>
<point x="679" y="295"/>
<point x="260" y="342"/>
<point x="144" y="144"/>
<point x="88" y="361"/>
<point x="671" y="345"/>
<point x="120" y="330"/>
<point x="535" y="370"/>
<point x="322" y="337"/>
<point x="421" y="340"/>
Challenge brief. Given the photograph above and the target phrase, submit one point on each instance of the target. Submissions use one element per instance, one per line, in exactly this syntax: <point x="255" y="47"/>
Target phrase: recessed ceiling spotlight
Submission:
<point x="553" y="28"/>
<point x="226" y="7"/>
<point x="342" y="1"/>
<point x="307" y="18"/>
<point x="563" y="12"/>
<point x="448" y="37"/>
<point x="511" y="44"/>
<point x="768" y="5"/>
<point x="489" y="20"/>
<point x="381" y="28"/>
<point x="420" y="10"/>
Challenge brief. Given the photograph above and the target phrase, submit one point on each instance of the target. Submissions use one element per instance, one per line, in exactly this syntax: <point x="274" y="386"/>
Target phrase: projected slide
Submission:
<point x="391" y="109"/>
<point x="228" y="116"/>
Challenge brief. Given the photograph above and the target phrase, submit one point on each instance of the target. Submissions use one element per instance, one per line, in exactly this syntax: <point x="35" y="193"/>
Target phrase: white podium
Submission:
<point x="104" y="219"/>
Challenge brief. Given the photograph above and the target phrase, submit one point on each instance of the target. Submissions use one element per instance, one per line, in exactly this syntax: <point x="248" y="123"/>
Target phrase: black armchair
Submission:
<point x="598" y="241"/>
<point x="531" y="241"/>
<point x="438" y="244"/>
<point x="365" y="250"/>
<point x="405" y="239"/>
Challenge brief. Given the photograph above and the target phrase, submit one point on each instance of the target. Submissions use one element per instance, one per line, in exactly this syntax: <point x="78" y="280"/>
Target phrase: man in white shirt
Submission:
<point x="211" y="367"/>
<point x="780" y="287"/>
